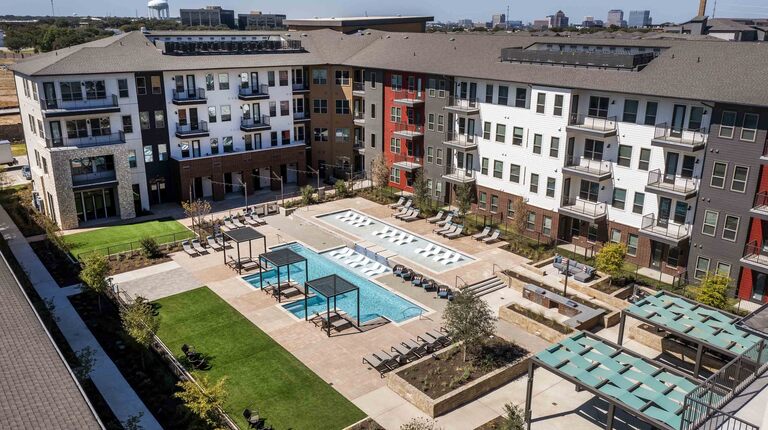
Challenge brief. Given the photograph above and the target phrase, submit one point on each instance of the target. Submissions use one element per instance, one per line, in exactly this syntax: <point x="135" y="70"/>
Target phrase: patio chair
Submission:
<point x="482" y="234"/>
<point x="381" y="365"/>
<point x="449" y="230"/>
<point x="237" y="223"/>
<point x="444" y="292"/>
<point x="436" y="218"/>
<point x="412" y="217"/>
<point x="403" y="210"/>
<point x="447" y="220"/>
<point x="185" y="245"/>
<point x="213" y="244"/>
<point x="447" y="227"/>
<point x="229" y="224"/>
<point x="454" y="234"/>
<point x="493" y="238"/>
<point x="416" y="280"/>
<point x="418" y="349"/>
<point x="397" y="236"/>
<point x="358" y="263"/>
<point x="407" y="274"/>
<point x="407" y="213"/>
<point x="353" y="260"/>
<point x="398" y="269"/>
<point x="430" y="343"/>
<point x="428" y="284"/>
<point x="253" y="419"/>
<point x="455" y="258"/>
<point x="344" y="215"/>
<point x="383" y="233"/>
<point x="399" y="203"/>
<point x="341" y="253"/>
<point x="427" y="249"/>
<point x="198" y="246"/>
<point x="353" y="218"/>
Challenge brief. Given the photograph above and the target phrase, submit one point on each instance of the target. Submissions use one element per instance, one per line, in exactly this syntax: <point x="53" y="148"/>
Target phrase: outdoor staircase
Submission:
<point x="485" y="286"/>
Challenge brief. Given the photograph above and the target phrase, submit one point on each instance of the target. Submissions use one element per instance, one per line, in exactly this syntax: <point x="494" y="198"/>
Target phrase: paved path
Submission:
<point x="122" y="399"/>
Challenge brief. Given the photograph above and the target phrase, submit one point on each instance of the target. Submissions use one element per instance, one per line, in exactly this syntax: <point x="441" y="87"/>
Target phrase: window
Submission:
<point x="514" y="173"/>
<point x="271" y="78"/>
<point x="632" y="242"/>
<point x="321" y="134"/>
<point x="272" y="109"/>
<point x="226" y="113"/>
<point x="484" y="166"/>
<point x="127" y="124"/>
<point x="481" y="199"/>
<point x="501" y="131"/>
<point x="122" y="88"/>
<point x="212" y="113"/>
<point x="154" y="81"/>
<point x="394" y="145"/>
<point x="31" y="120"/>
<point x="227" y="143"/>
<point x="320" y="106"/>
<point x="214" y="142"/>
<point x="598" y="107"/>
<point x="554" y="147"/>
<point x="132" y="158"/>
<point x="394" y="175"/>
<point x="645" y="159"/>
<point x="541" y="100"/>
<point x="521" y="97"/>
<point x="342" y="135"/>
<point x="619" y="198"/>
<point x="534" y="188"/>
<point x="615" y="235"/>
<point x="396" y="82"/>
<point x="625" y="155"/>
<point x="162" y="152"/>
<point x="144" y="120"/>
<point x="727" y="124"/>
<point x="209" y="84"/>
<point x="283" y="76"/>
<point x="395" y="114"/>
<point x="440" y="123"/>
<point x="438" y="189"/>
<point x="530" y="221"/>
<point x="494" y="203"/>
<point x="630" y="111"/>
<point x="546" y="225"/>
<point x="149" y="155"/>
<point x="70" y="91"/>
<point x="637" y="204"/>
<point x="739" y="181"/>
<point x="719" y="170"/>
<point x="273" y="138"/>
<point x="430" y="154"/>
<point x="224" y="80"/>
<point x="95" y="90"/>
<point x="439" y="158"/>
<point x="517" y="136"/>
<point x="730" y="227"/>
<point x="342" y="77"/>
<point x="702" y="268"/>
<point x="551" y="183"/>
<point x="558" y="105"/>
<point x="319" y="76"/>
<point x="431" y="87"/>
<point x="749" y="127"/>
<point x="342" y="107"/>
<point x="709" y="226"/>
<point x="724" y="269"/>
<point x="537" y="144"/>
<point x="159" y="119"/>
<point x="651" y="108"/>
<point x="184" y="149"/>
<point x="695" y="118"/>
<point x="593" y="149"/>
<point x="285" y="108"/>
<point x="141" y="86"/>
<point x="40" y="128"/>
<point x="373" y="111"/>
<point x="431" y="122"/>
<point x="489" y="93"/>
<point x="503" y="95"/>
<point x="498" y="169"/>
<point x="441" y="92"/>
<point x="373" y="140"/>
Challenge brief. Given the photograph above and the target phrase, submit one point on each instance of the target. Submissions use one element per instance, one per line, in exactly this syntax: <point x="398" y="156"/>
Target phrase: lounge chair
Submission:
<point x="398" y="269"/>
<point x="449" y="230"/>
<point x="399" y="203"/>
<point x="354" y="259"/>
<point x="198" y="246"/>
<point x="435" y="339"/>
<point x="443" y="256"/>
<point x="383" y="233"/>
<point x="455" y="258"/>
<point x="416" y="280"/>
<point x="188" y="249"/>
<point x="237" y="223"/>
<point x="482" y="234"/>
<point x="344" y="215"/>
<point x="407" y="213"/>
<point x="342" y="252"/>
<point x="444" y="292"/>
<point x="428" y="284"/>
<point x="406" y="239"/>
<point x="228" y="223"/>
<point x="413" y="216"/>
<point x="493" y="237"/>
<point x="403" y="209"/>
<point x="446" y="221"/>
<point x="254" y="219"/>
<point x="429" y="248"/>
<point x="454" y="234"/>
<point x="430" y="342"/>
<point x="253" y="419"/>
<point x="435" y="251"/>
<point x="436" y="218"/>
<point x="213" y="244"/>
<point x="445" y="228"/>
<point x="407" y="274"/>
<point x="397" y="236"/>
<point x="358" y="263"/>
<point x="419" y="349"/>
<point x="381" y="362"/>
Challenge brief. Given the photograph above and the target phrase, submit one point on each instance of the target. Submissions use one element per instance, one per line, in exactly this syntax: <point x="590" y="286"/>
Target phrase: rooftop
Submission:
<point x="356" y="20"/>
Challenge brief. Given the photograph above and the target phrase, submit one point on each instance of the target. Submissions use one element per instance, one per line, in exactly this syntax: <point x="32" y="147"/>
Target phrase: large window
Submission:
<point x="144" y="120"/>
<point x="285" y="108"/>
<point x="283" y="76"/>
<point x="749" y="127"/>
<point x="127" y="124"/>
<point x="503" y="98"/>
<point x="394" y="145"/>
<point x="141" y="86"/>
<point x="727" y="124"/>
<point x="481" y="200"/>
<point x="598" y="106"/>
<point x="342" y="77"/>
<point x="395" y="114"/>
<point x="487" y="130"/>
<point x="149" y="155"/>
<point x="619" y="198"/>
<point x="517" y="136"/>
<point x="484" y="166"/>
<point x="551" y="183"/>
<point x="226" y="113"/>
<point x="394" y="175"/>
<point x="630" y="111"/>
<point x="498" y="169"/>
<point x="730" y="227"/>
<point x="319" y="76"/>
<point x="489" y="93"/>
<point x="719" y="170"/>
<point x="342" y="107"/>
<point x="645" y="159"/>
<point x="154" y="81"/>
<point x="651" y="108"/>
<point x="554" y="147"/>
<point x="702" y="268"/>
<point x="521" y="97"/>
<point x="558" y="105"/>
<point x="637" y="204"/>
<point x="70" y="91"/>
<point x="632" y="243"/>
<point x="739" y="181"/>
<point x="541" y="102"/>
<point x="534" y="188"/>
<point x="709" y="226"/>
<point x="546" y="225"/>
<point x="320" y="106"/>
<point x="625" y="155"/>
<point x="501" y="131"/>
<point x="223" y="81"/>
<point x="77" y="128"/>
<point x="537" y="143"/>
<point x="159" y="119"/>
<point x="95" y="90"/>
<point x="514" y="173"/>
<point x="122" y="88"/>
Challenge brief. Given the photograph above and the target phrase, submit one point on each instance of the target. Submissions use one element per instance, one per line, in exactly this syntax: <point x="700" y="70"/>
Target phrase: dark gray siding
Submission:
<point x="435" y="105"/>
<point x="374" y="95"/>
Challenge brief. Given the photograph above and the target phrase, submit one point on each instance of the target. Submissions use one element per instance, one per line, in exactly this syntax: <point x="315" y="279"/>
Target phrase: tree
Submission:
<point x="610" y="259"/>
<point x="149" y="247"/>
<point x="520" y="216"/>
<point x="86" y="362"/>
<point x="341" y="188"/>
<point x="307" y="195"/>
<point x="140" y="322"/>
<point x="133" y="422"/>
<point x="94" y="275"/>
<point x="420" y="191"/>
<point x="380" y="174"/>
<point x="514" y="418"/>
<point x="203" y="399"/>
<point x="713" y="291"/>
<point x="196" y="210"/>
<point x="470" y="320"/>
<point x="419" y="424"/>
<point x="463" y="199"/>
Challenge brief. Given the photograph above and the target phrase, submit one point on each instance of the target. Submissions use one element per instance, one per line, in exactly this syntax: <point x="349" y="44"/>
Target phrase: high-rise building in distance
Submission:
<point x="640" y="18"/>
<point x="498" y="20"/>
<point x="616" y="17"/>
<point x="558" y="20"/>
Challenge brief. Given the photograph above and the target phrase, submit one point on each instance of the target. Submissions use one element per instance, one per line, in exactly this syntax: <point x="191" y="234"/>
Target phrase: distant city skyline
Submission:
<point x="442" y="10"/>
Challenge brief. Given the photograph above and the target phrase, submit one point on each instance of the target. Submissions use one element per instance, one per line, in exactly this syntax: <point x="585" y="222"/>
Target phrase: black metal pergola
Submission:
<point x="241" y="235"/>
<point x="330" y="287"/>
<point x="279" y="258"/>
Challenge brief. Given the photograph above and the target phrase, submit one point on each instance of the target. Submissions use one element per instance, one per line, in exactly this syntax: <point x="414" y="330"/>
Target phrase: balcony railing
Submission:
<point x="460" y="140"/>
<point x="358" y="87"/>
<point x="192" y="129"/>
<point x="358" y="116"/>
<point x="598" y="168"/>
<point x="664" y="228"/>
<point x="463" y="104"/>
<point x="459" y="175"/>
<point x="596" y="123"/>
<point x="109" y="101"/>
<point x="693" y="138"/>
<point x="82" y="142"/>
<point x="409" y="97"/>
<point x="585" y="207"/>
<point x="258" y="122"/>
<point x="761" y="202"/>
<point x="407" y="162"/>
<point x="300" y="86"/>
<point x="409" y="131"/>
<point x="358" y="143"/>
<point x="303" y="114"/>
<point x="93" y="178"/>
<point x="755" y="253"/>
<point x="196" y="95"/>
<point x="255" y="91"/>
<point x="674" y="184"/>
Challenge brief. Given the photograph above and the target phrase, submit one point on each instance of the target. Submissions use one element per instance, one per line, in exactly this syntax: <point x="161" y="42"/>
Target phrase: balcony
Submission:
<point x="664" y="230"/>
<point x="407" y="162"/>
<point x="359" y="118"/>
<point x="358" y="89"/>
<point x="462" y="142"/>
<point x="689" y="140"/>
<point x="587" y="168"/>
<point x="459" y="176"/>
<point x="199" y="129"/>
<point x="189" y="97"/>
<point x="358" y="145"/>
<point x="463" y="106"/>
<point x="755" y="256"/>
<point x="408" y="131"/>
<point x="592" y="125"/>
<point x="672" y="186"/>
<point x="55" y="108"/>
<point x="94" y="178"/>
<point x="408" y="97"/>
<point x="87" y="141"/>
<point x="301" y="116"/>
<point x="584" y="210"/>
<point x="258" y="92"/>
<point x="760" y="207"/>
<point x="260" y="123"/>
<point x="300" y="88"/>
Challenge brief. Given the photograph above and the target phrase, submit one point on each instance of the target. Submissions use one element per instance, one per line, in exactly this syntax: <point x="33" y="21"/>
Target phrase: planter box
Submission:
<point x="663" y="343"/>
<point x="460" y="396"/>
<point x="531" y="326"/>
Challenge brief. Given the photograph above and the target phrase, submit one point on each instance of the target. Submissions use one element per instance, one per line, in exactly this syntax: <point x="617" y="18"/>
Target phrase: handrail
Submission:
<point x="458" y="102"/>
<point x="592" y="122"/>
<point x="104" y="139"/>
<point x="258" y="90"/>
<point x="83" y="103"/>
<point x="669" y="229"/>
<point x="597" y="167"/>
<point x="761" y="200"/>
<point x="688" y="136"/>
<point x="196" y="94"/>
<point x="456" y="138"/>
<point x="585" y="207"/>
<point x="201" y="126"/>
<point x="421" y="310"/>
<point x="675" y="183"/>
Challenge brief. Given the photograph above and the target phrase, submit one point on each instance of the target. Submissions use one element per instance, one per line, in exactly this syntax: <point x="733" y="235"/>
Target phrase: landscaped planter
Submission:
<point x="460" y="396"/>
<point x="531" y="326"/>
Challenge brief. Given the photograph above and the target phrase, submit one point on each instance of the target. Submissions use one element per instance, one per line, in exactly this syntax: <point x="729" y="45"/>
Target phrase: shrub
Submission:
<point x="713" y="291"/>
<point x="149" y="247"/>
<point x="341" y="188"/>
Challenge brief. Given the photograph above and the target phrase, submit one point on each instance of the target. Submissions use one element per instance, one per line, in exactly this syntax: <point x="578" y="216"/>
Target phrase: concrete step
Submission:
<point x="486" y="286"/>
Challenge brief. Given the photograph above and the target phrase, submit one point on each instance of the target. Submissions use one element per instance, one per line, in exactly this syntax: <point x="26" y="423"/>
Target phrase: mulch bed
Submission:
<point x="63" y="270"/>
<point x="367" y="424"/>
<point x="494" y="424"/>
<point x="127" y="262"/>
<point x="446" y="371"/>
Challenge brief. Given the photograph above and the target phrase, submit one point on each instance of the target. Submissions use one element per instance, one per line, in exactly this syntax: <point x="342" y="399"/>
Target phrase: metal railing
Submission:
<point x="358" y="143"/>
<point x="460" y="139"/>
<point x="358" y="115"/>
<point x="166" y="241"/>
<point x="585" y="207"/>
<point x="674" y="183"/>
<point x="588" y="165"/>
<point x="463" y="103"/>
<point x="411" y="95"/>
<point x="108" y="101"/>
<point x="80" y="142"/>
<point x="195" y="94"/>
<point x="300" y="86"/>
<point x="685" y="136"/>
<point x="404" y="158"/>
<point x="755" y="252"/>
<point x="664" y="227"/>
<point x="761" y="200"/>
<point x="358" y="86"/>
<point x="258" y="90"/>
<point x="459" y="174"/>
<point x="591" y="122"/>
<point x="199" y="127"/>
<point x="303" y="114"/>
<point x="94" y="178"/>
<point x="409" y="130"/>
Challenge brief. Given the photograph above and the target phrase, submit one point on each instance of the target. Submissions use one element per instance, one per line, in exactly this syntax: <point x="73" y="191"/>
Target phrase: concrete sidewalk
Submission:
<point x="120" y="396"/>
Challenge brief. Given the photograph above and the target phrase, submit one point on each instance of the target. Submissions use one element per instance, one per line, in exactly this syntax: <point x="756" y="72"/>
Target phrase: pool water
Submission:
<point x="375" y="301"/>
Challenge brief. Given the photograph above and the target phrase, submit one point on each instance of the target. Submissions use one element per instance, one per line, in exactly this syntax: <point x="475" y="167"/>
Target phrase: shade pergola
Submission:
<point x="707" y="327"/>
<point x="241" y="235"/>
<point x="279" y="258"/>
<point x="330" y="287"/>
<point x="651" y="391"/>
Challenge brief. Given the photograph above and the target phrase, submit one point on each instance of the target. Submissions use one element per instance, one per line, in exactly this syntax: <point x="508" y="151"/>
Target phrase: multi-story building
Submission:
<point x="639" y="18"/>
<point x="260" y="21"/>
<point x="558" y="20"/>
<point x="616" y="18"/>
<point x="210" y="16"/>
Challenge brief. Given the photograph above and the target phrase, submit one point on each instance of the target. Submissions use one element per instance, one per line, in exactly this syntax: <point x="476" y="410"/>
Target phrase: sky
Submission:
<point x="442" y="10"/>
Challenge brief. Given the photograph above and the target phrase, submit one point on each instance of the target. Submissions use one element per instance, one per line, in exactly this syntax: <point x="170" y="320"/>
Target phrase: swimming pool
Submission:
<point x="432" y="255"/>
<point x="375" y="301"/>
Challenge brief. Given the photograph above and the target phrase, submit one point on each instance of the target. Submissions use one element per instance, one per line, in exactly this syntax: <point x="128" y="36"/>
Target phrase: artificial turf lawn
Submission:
<point x="162" y="230"/>
<point x="261" y="374"/>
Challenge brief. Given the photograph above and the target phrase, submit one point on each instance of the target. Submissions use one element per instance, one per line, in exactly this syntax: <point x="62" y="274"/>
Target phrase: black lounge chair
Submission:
<point x="398" y="269"/>
<point x="195" y="358"/>
<point x="407" y="274"/>
<point x="428" y="284"/>
<point x="417" y="279"/>
<point x="444" y="292"/>
<point x="253" y="419"/>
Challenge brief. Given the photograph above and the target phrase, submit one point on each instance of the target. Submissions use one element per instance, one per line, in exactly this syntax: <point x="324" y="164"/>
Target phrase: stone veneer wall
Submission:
<point x="531" y="326"/>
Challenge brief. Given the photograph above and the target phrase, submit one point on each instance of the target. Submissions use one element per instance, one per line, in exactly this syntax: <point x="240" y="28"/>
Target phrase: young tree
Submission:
<point x="94" y="275"/>
<point x="463" y="199"/>
<point x="149" y="247"/>
<point x="203" y="400"/>
<point x="419" y="424"/>
<point x="520" y="216"/>
<point x="307" y="195"/>
<point x="610" y="259"/>
<point x="380" y="175"/>
<point x="470" y="320"/>
<point x="713" y="291"/>
<point x="341" y="188"/>
<point x="420" y="191"/>
<point x="197" y="210"/>
<point x="514" y="418"/>
<point x="140" y="322"/>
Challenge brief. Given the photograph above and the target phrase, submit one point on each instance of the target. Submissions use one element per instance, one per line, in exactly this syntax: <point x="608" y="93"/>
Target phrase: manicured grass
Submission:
<point x="120" y="238"/>
<point x="260" y="374"/>
<point x="18" y="149"/>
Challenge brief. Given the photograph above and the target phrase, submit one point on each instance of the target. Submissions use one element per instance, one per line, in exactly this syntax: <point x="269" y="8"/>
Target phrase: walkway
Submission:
<point x="122" y="399"/>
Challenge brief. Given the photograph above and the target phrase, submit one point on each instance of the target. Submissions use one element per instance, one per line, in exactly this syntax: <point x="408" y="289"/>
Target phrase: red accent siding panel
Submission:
<point x="745" y="284"/>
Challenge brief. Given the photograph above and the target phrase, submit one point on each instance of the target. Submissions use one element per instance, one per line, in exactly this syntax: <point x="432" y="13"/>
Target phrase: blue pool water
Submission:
<point x="375" y="301"/>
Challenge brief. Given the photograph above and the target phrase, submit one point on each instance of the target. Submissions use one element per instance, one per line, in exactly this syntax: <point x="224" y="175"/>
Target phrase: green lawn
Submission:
<point x="260" y="374"/>
<point x="119" y="237"/>
<point x="18" y="148"/>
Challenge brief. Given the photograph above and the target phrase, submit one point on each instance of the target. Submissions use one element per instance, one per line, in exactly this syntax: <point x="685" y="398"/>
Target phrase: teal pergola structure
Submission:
<point x="706" y="327"/>
<point x="278" y="259"/>
<point x="330" y="287"/>
<point x="650" y="391"/>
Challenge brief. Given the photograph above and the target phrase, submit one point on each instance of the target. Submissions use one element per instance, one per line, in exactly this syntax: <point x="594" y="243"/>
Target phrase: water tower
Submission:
<point x="158" y="9"/>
